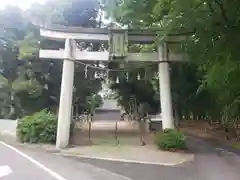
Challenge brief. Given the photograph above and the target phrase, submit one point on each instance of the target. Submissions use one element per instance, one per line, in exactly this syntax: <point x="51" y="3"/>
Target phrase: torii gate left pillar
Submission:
<point x="65" y="105"/>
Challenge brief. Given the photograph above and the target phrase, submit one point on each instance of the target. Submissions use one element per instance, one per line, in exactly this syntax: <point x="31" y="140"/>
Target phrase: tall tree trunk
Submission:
<point x="12" y="100"/>
<point x="177" y="114"/>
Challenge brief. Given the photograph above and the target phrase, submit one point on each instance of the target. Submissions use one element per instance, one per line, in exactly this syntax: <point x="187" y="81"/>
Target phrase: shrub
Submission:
<point x="39" y="127"/>
<point x="170" y="139"/>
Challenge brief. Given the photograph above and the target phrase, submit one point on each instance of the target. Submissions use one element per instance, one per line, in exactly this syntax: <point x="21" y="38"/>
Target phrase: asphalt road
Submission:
<point x="29" y="164"/>
<point x="21" y="167"/>
<point x="210" y="163"/>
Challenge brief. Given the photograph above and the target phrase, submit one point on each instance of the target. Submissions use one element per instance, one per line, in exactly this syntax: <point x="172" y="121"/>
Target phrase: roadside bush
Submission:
<point x="170" y="139"/>
<point x="41" y="127"/>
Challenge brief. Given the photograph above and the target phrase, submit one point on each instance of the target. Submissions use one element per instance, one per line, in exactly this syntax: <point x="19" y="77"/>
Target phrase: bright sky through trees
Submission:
<point x="24" y="4"/>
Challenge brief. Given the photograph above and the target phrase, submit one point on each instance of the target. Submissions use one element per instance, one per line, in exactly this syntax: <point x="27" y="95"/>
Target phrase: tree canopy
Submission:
<point x="208" y="85"/>
<point x="30" y="84"/>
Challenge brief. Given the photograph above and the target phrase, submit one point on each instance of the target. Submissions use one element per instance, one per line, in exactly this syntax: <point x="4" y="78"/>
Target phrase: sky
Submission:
<point x="24" y="4"/>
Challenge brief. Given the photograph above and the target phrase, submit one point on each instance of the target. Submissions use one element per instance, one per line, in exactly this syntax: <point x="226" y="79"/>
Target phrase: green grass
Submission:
<point x="236" y="145"/>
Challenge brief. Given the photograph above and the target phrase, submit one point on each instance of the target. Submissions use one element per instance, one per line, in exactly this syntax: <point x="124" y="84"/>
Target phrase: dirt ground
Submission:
<point x="106" y="132"/>
<point x="204" y="130"/>
<point x="110" y="132"/>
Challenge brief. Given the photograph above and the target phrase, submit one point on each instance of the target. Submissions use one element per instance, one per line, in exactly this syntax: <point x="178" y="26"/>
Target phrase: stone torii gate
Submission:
<point x="118" y="38"/>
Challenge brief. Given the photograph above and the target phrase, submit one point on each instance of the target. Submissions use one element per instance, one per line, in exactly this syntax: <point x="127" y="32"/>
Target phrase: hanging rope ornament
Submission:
<point x="138" y="77"/>
<point x="107" y="78"/>
<point x="95" y="75"/>
<point x="86" y="71"/>
<point x="157" y="75"/>
<point x="117" y="80"/>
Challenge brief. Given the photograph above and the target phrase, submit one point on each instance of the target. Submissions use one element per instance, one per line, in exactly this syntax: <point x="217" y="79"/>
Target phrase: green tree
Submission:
<point x="36" y="82"/>
<point x="10" y="37"/>
<point x="212" y="47"/>
<point x="92" y="102"/>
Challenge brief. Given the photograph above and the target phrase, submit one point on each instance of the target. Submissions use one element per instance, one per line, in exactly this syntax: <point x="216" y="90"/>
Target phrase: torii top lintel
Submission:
<point x="143" y="36"/>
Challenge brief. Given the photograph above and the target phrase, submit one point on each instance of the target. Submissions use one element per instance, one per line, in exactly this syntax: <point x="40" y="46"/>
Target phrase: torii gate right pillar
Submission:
<point x="165" y="88"/>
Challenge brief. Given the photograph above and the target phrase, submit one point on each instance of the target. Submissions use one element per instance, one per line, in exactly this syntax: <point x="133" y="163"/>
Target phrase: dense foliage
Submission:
<point x="41" y="127"/>
<point x="207" y="87"/>
<point x="27" y="83"/>
<point x="170" y="139"/>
